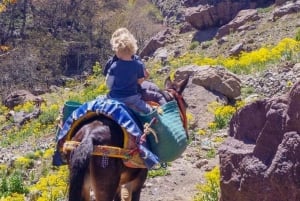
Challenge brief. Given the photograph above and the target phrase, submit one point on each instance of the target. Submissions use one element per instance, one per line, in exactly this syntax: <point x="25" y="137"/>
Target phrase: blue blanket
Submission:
<point x="119" y="113"/>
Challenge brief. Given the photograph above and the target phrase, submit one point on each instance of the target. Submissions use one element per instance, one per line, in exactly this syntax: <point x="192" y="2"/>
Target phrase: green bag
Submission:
<point x="69" y="107"/>
<point x="172" y="137"/>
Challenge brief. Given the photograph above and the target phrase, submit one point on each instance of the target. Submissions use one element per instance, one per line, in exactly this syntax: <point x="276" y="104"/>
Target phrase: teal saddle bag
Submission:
<point x="171" y="136"/>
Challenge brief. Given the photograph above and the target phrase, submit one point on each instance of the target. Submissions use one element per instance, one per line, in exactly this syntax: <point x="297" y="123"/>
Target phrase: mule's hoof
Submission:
<point x="125" y="193"/>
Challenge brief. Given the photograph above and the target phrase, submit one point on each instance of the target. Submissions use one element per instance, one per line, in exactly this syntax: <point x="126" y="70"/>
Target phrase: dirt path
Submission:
<point x="185" y="173"/>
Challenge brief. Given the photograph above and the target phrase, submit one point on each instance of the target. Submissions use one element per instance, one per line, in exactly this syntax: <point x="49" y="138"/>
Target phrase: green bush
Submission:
<point x="12" y="184"/>
<point x="158" y="172"/>
<point x="210" y="190"/>
<point x="49" y="116"/>
<point x="193" y="45"/>
<point x="298" y="35"/>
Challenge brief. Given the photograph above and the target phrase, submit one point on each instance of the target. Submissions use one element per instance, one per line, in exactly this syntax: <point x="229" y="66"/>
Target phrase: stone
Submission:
<point x="260" y="158"/>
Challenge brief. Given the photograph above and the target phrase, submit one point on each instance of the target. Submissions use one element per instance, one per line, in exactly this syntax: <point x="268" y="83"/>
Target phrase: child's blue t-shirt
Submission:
<point x="126" y="75"/>
<point x="114" y="58"/>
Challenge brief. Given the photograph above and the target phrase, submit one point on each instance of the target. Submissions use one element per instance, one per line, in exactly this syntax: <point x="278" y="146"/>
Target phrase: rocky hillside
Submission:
<point x="210" y="28"/>
<point x="43" y="43"/>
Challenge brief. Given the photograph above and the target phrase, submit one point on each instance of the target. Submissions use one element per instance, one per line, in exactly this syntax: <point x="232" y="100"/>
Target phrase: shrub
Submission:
<point x="209" y="191"/>
<point x="15" y="183"/>
<point x="193" y="45"/>
<point x="12" y="184"/>
<point x="23" y="162"/>
<point x="223" y="114"/>
<point x="158" y="172"/>
<point x="298" y="35"/>
<point x="53" y="186"/>
<point x="49" y="114"/>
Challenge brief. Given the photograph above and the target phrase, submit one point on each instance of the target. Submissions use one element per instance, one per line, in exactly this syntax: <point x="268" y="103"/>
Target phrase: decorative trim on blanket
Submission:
<point x="130" y="156"/>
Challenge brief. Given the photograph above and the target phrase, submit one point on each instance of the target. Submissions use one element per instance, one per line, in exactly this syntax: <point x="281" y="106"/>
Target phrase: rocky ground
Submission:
<point x="185" y="173"/>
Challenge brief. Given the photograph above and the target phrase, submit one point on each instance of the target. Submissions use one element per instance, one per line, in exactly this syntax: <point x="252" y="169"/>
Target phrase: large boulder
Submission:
<point x="288" y="8"/>
<point x="214" y="78"/>
<point x="207" y="84"/>
<point x="19" y="97"/>
<point x="260" y="158"/>
<point x="198" y="99"/>
<point x="157" y="41"/>
<point x="243" y="17"/>
<point x="215" y="15"/>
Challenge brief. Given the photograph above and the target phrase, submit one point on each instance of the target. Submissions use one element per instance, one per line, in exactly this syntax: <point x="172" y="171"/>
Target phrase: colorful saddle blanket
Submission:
<point x="119" y="113"/>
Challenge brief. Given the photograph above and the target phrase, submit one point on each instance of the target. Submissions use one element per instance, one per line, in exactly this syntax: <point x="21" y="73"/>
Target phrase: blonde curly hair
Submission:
<point x="122" y="41"/>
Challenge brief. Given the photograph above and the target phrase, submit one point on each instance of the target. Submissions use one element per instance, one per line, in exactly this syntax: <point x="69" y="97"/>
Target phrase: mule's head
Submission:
<point x="174" y="91"/>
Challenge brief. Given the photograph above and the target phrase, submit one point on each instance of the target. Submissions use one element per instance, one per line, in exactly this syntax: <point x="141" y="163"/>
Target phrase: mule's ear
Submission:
<point x="182" y="84"/>
<point x="168" y="83"/>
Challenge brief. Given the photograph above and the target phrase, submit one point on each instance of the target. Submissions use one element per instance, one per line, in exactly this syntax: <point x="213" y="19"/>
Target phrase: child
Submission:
<point x="148" y="90"/>
<point x="126" y="73"/>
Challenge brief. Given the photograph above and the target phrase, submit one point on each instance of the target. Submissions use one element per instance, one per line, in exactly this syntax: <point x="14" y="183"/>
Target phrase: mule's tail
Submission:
<point x="79" y="162"/>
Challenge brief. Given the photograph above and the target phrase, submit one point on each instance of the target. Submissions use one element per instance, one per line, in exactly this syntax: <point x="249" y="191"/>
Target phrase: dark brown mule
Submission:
<point x="105" y="175"/>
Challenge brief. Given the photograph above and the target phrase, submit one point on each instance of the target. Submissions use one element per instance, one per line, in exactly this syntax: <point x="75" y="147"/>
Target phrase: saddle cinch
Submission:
<point x="149" y="139"/>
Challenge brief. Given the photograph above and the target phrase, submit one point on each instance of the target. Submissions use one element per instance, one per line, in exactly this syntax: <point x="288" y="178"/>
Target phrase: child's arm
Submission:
<point x="141" y="80"/>
<point x="109" y="81"/>
<point x="146" y="72"/>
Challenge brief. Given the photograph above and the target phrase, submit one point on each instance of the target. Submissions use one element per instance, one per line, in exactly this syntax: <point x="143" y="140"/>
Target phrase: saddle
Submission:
<point x="149" y="139"/>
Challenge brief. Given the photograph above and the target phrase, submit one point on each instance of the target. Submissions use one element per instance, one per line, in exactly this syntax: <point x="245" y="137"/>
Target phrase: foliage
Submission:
<point x="14" y="197"/>
<point x="222" y="113"/>
<point x="211" y="153"/>
<point x="158" y="172"/>
<point x="297" y="38"/>
<point x="25" y="107"/>
<point x="49" y="114"/>
<point x="264" y="10"/>
<point x="12" y="184"/>
<point x="3" y="109"/>
<point x="245" y="91"/>
<point x="193" y="45"/>
<point x="154" y="14"/>
<point x="97" y="69"/>
<point x="5" y="3"/>
<point x="23" y="162"/>
<point x="247" y="62"/>
<point x="201" y="132"/>
<point x="90" y="92"/>
<point x="52" y="187"/>
<point x="210" y="190"/>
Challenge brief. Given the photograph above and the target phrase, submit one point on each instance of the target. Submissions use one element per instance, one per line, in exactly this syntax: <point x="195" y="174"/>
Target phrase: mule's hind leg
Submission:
<point x="137" y="184"/>
<point x="131" y="191"/>
<point x="86" y="188"/>
<point x="126" y="192"/>
<point x="105" y="177"/>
